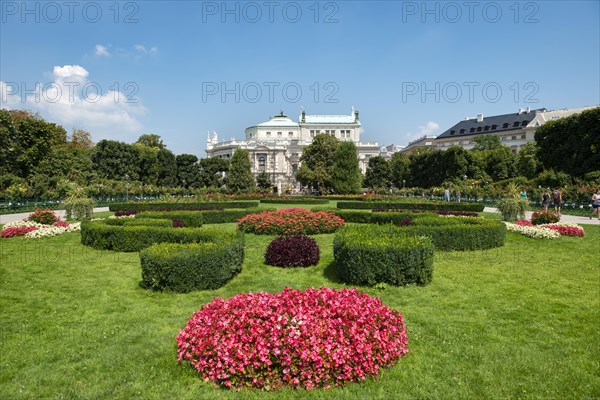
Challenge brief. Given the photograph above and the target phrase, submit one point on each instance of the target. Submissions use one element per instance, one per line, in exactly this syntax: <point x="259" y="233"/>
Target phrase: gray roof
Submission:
<point x="494" y="124"/>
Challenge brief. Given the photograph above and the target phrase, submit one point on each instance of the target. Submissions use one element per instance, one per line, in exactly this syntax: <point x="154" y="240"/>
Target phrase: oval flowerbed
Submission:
<point x="301" y="339"/>
<point x="290" y="221"/>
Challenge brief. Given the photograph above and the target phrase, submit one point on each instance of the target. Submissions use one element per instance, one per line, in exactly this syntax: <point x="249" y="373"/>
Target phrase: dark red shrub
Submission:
<point x="125" y="213"/>
<point x="302" y="339"/>
<point x="292" y="251"/>
<point x="405" y="222"/>
<point x="177" y="223"/>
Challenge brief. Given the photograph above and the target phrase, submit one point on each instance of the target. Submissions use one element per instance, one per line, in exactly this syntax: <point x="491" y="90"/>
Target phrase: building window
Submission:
<point x="487" y="128"/>
<point x="514" y="138"/>
<point x="427" y="143"/>
<point x="523" y="136"/>
<point x="268" y="133"/>
<point x="472" y="130"/>
<point x="516" y="123"/>
<point x="478" y="129"/>
<point x="452" y="132"/>
<point x="262" y="163"/>
<point x="462" y="131"/>
<point x="290" y="133"/>
<point x="494" y="127"/>
<point x="504" y="138"/>
<point x="279" y="133"/>
<point x="505" y="125"/>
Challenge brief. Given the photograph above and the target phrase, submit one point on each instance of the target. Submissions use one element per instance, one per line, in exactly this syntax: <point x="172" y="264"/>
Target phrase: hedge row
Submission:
<point x="116" y="235"/>
<point x="183" y="268"/>
<point x="378" y="205"/>
<point x="190" y="219"/>
<point x="371" y="254"/>
<point x="208" y="205"/>
<point x="164" y="222"/>
<point x="292" y="200"/>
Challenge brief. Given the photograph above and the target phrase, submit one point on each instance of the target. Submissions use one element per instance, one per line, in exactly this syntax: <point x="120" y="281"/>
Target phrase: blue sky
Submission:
<point x="121" y="69"/>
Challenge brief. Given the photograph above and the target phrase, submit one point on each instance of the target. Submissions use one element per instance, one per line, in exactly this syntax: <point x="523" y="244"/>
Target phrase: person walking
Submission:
<point x="524" y="195"/>
<point x="546" y="199"/>
<point x="458" y="195"/>
<point x="447" y="195"/>
<point x="557" y="199"/>
<point x="596" y="204"/>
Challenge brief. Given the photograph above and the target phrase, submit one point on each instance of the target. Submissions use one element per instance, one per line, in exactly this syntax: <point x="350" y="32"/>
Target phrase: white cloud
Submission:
<point x="101" y="51"/>
<point x="142" y="49"/>
<point x="425" y="130"/>
<point x="74" y="101"/>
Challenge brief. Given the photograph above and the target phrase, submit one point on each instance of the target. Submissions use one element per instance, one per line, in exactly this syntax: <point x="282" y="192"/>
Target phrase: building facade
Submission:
<point x="275" y="146"/>
<point x="515" y="130"/>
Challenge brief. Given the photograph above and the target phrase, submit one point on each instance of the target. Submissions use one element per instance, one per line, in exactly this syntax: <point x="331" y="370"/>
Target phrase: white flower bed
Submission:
<point x="536" y="232"/>
<point x="49" y="230"/>
<point x="16" y="224"/>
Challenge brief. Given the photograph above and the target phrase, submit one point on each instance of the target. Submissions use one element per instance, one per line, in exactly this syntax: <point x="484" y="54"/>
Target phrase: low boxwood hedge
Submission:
<point x="383" y="205"/>
<point x="198" y="206"/>
<point x="226" y="216"/>
<point x="397" y="217"/>
<point x="370" y="254"/>
<point x="116" y="235"/>
<point x="166" y="223"/>
<point x="292" y="200"/>
<point x="190" y="219"/>
<point x="183" y="268"/>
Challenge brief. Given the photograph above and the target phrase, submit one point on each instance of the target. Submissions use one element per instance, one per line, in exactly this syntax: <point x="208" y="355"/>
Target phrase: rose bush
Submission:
<point x="540" y="217"/>
<point x="292" y="251"/>
<point x="302" y="339"/>
<point x="46" y="217"/>
<point x="290" y="221"/>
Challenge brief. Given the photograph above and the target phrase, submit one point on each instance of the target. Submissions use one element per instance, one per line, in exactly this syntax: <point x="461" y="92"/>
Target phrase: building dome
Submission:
<point x="280" y="120"/>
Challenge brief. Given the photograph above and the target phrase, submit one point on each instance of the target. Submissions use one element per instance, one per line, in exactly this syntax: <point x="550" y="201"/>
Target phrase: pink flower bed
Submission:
<point x="301" y="339"/>
<point x="290" y="221"/>
<point x="523" y="222"/>
<point x="16" y="231"/>
<point x="566" y="230"/>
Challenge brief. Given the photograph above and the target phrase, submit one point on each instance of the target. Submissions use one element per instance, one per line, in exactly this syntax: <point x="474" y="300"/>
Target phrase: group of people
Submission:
<point x="557" y="200"/>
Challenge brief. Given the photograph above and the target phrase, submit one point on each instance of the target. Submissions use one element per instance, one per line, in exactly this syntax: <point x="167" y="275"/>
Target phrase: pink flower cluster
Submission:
<point x="313" y="338"/>
<point x="566" y="230"/>
<point x="16" y="231"/>
<point x="523" y="222"/>
<point x="290" y="221"/>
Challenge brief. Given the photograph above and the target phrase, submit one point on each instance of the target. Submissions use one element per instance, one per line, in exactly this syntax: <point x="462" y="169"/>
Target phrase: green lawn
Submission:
<point x="521" y="321"/>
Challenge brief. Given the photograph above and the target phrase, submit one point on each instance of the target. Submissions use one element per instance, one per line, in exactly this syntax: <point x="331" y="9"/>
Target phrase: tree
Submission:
<point x="148" y="167"/>
<point x="80" y="140"/>
<point x="317" y="162"/>
<point x="212" y="170"/>
<point x="188" y="170"/>
<point x="116" y="160"/>
<point x="486" y="142"/>
<point x="167" y="174"/>
<point x="400" y="169"/>
<point x="263" y="181"/>
<point x="528" y="164"/>
<point x="378" y="173"/>
<point x="426" y="168"/>
<point x="151" y="140"/>
<point x="499" y="163"/>
<point x="571" y="144"/>
<point x="456" y="162"/>
<point x="345" y="173"/>
<point x="240" y="178"/>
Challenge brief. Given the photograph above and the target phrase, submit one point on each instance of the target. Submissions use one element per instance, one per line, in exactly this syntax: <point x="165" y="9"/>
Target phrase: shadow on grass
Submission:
<point x="330" y="273"/>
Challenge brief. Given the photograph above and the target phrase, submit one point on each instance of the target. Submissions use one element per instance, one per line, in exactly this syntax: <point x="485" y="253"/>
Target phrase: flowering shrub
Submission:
<point x="523" y="222"/>
<point x="292" y="251"/>
<point x="16" y="231"/>
<point x="318" y="337"/>
<point x="566" y="230"/>
<point x="535" y="232"/>
<point x="540" y="217"/>
<point x="290" y="221"/>
<point x="46" y="217"/>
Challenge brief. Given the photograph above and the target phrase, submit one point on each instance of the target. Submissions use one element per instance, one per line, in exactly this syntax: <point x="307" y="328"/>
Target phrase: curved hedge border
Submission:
<point x="190" y="219"/>
<point x="294" y="201"/>
<point x="163" y="222"/>
<point x="117" y="236"/>
<point x="183" y="268"/>
<point x="366" y="255"/>
<point x="380" y="205"/>
<point x="200" y="206"/>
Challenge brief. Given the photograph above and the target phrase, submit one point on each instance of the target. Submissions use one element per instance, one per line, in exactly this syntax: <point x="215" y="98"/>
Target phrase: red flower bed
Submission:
<point x="540" y="217"/>
<point x="16" y="231"/>
<point x="290" y="221"/>
<point x="523" y="222"/>
<point x="62" y="224"/>
<point x="315" y="338"/>
<point x="566" y="230"/>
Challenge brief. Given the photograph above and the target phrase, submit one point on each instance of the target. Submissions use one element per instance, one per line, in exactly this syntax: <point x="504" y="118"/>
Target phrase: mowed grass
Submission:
<point x="521" y="321"/>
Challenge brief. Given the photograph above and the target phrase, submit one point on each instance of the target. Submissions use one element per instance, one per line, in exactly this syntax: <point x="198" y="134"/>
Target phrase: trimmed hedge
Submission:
<point x="115" y="235"/>
<point x="291" y="200"/>
<point x="226" y="216"/>
<point x="371" y="254"/>
<point x="191" y="219"/>
<point x="184" y="268"/>
<point x="397" y="217"/>
<point x="166" y="223"/>
<point x="200" y="206"/>
<point x="358" y="216"/>
<point x="379" y="205"/>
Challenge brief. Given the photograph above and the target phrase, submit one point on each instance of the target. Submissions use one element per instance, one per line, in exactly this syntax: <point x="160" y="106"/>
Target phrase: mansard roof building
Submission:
<point x="276" y="145"/>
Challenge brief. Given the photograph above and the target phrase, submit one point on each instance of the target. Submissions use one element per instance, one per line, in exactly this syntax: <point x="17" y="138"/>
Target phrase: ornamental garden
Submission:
<point x="353" y="298"/>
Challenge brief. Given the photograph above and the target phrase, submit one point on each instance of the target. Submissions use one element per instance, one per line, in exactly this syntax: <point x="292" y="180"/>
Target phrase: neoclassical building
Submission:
<point x="275" y="146"/>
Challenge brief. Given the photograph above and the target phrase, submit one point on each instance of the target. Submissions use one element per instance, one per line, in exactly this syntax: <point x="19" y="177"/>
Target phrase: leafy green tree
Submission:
<point x="379" y="174"/>
<point x="528" y="164"/>
<point x="151" y="140"/>
<point x="167" y="174"/>
<point x="400" y="169"/>
<point x="345" y="174"/>
<point x="317" y="163"/>
<point x="80" y="140"/>
<point x="456" y="163"/>
<point x="263" y="181"/>
<point x="486" y="142"/>
<point x="426" y="168"/>
<point x="188" y="170"/>
<point x="240" y="178"/>
<point x="499" y="163"/>
<point x="571" y="144"/>
<point x="116" y="160"/>
<point x="148" y="167"/>
<point x="212" y="170"/>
